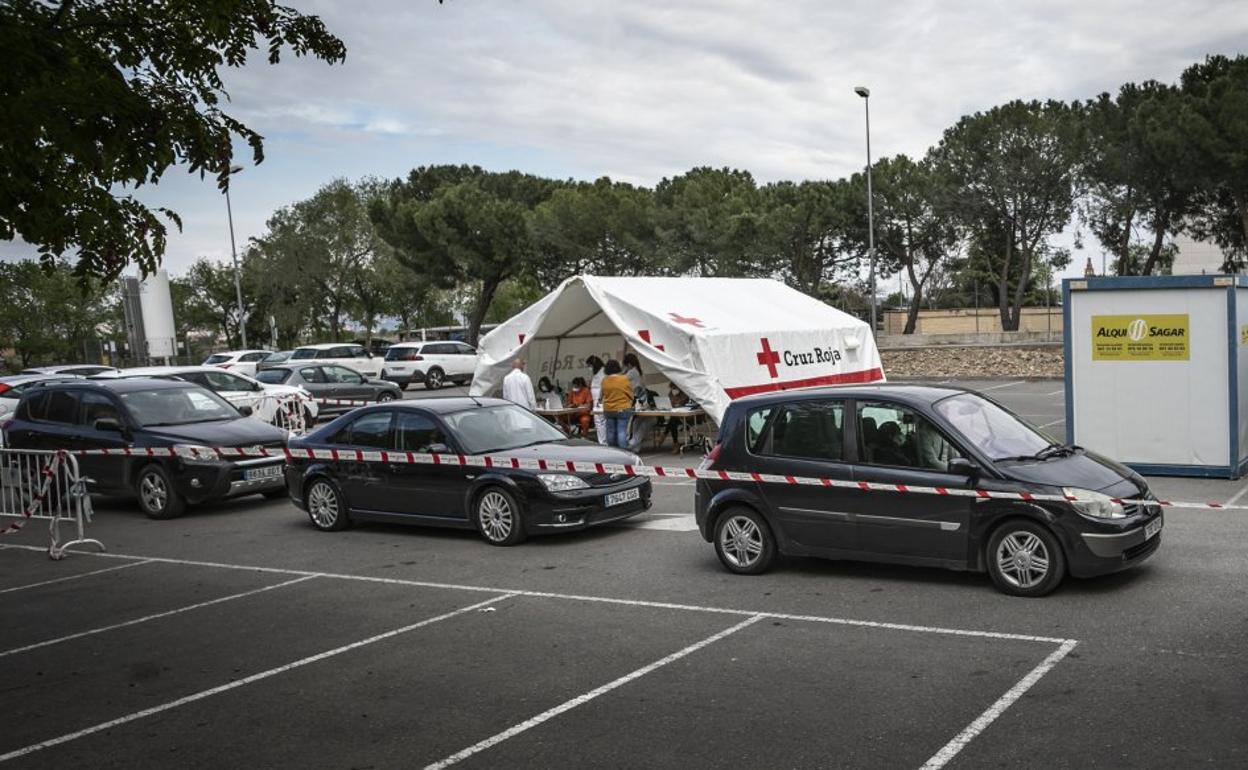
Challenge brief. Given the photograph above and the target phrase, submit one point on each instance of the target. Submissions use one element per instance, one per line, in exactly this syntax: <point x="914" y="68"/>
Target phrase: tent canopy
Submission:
<point x="714" y="338"/>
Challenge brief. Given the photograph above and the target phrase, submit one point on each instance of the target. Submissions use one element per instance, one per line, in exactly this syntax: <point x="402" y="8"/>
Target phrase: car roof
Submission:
<point x="240" y="352"/>
<point x="59" y="368"/>
<point x="916" y="393"/>
<point x="447" y="405"/>
<point x="123" y="384"/>
<point x="154" y="371"/>
<point x="328" y="345"/>
<point x="20" y="379"/>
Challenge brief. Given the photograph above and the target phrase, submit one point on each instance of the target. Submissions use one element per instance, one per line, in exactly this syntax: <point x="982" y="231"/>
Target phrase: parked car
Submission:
<point x="241" y="361"/>
<point x="504" y="505"/>
<point x="928" y="436"/>
<point x="12" y="388"/>
<point x="139" y="413"/>
<point x="80" y="370"/>
<point x="433" y="363"/>
<point x="263" y="399"/>
<point x="348" y="355"/>
<point x="273" y="359"/>
<point x="330" y="381"/>
<point x="377" y="346"/>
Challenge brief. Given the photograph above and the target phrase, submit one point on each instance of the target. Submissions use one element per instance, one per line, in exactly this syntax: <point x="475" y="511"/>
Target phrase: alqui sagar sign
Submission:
<point x="1141" y="337"/>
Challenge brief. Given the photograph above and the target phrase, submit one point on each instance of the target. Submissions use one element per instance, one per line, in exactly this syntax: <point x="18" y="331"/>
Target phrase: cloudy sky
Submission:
<point x="644" y="89"/>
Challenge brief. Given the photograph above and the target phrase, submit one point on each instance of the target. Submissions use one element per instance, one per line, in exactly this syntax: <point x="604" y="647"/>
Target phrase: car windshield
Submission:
<point x="273" y="376"/>
<point x="303" y="353"/>
<point x="277" y="358"/>
<point x="219" y="358"/>
<point x="497" y="428"/>
<point x="996" y="431"/>
<point x="177" y="406"/>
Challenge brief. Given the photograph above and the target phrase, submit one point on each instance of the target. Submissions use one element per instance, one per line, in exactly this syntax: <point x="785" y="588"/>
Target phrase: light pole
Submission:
<point x="865" y="93"/>
<point x="238" y="284"/>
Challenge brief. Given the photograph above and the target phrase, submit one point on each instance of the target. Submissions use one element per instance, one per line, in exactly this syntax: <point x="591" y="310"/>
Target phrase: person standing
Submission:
<point x="640" y="425"/>
<point x="617" y="404"/>
<point x="595" y="388"/>
<point x="518" y="388"/>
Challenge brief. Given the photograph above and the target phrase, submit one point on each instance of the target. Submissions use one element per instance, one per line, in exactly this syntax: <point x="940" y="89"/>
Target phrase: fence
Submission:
<point x="45" y="485"/>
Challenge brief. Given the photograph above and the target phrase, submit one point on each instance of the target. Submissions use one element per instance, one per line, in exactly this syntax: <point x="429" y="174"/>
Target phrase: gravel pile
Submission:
<point x="974" y="362"/>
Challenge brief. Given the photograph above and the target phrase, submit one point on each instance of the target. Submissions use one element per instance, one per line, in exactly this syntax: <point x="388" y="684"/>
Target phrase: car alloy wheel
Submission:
<point x="433" y="380"/>
<point x="385" y="396"/>
<point x="153" y="492"/>
<point x="498" y="518"/>
<point x="744" y="542"/>
<point x="1025" y="559"/>
<point x="325" y="507"/>
<point x="157" y="497"/>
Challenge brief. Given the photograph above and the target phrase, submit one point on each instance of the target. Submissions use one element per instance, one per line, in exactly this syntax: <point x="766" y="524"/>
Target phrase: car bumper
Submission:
<point x="202" y="482"/>
<point x="402" y="378"/>
<point x="585" y="508"/>
<point x="1100" y="552"/>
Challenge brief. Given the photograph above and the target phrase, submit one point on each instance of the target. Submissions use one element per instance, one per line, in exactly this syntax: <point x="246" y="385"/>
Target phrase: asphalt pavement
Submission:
<point x="240" y="636"/>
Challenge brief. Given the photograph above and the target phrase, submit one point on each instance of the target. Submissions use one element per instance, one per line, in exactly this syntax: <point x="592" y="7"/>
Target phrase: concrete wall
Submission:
<point x="995" y="339"/>
<point x="963" y="321"/>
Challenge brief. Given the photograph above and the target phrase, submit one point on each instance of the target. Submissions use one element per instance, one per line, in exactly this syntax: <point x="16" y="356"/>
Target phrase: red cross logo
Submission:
<point x="521" y="336"/>
<point x="680" y="319"/>
<point x="769" y="358"/>
<point x="645" y="337"/>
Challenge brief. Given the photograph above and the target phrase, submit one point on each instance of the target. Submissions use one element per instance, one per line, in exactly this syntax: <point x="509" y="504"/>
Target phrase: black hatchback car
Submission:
<point x="928" y="436"/>
<point x="141" y="413"/>
<point x="504" y="505"/>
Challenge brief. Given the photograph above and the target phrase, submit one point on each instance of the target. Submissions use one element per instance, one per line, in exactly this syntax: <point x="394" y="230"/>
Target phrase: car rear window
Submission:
<point x="402" y="354"/>
<point x="303" y="353"/>
<point x="219" y="358"/>
<point x="273" y="376"/>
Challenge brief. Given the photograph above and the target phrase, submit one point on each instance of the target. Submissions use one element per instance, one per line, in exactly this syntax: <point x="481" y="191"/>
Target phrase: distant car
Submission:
<point x="240" y="390"/>
<point x="377" y="346"/>
<point x="903" y="436"/>
<point x="242" y="361"/>
<point x="349" y="355"/>
<point x="433" y="363"/>
<point x="330" y="381"/>
<point x="81" y="370"/>
<point x="140" y="413"/>
<point x="12" y="388"/>
<point x="503" y="504"/>
<point x="273" y="359"/>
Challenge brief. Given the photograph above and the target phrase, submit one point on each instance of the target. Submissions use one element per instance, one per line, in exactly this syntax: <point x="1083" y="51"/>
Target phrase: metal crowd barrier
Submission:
<point x="38" y="484"/>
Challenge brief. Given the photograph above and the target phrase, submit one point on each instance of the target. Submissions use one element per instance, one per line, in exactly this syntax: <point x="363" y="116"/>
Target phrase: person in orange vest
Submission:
<point x="580" y="396"/>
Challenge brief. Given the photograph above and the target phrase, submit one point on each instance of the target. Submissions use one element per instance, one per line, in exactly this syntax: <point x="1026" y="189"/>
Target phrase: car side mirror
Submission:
<point x="107" y="424"/>
<point x="964" y="467"/>
<point x="245" y="411"/>
<point x="438" y="449"/>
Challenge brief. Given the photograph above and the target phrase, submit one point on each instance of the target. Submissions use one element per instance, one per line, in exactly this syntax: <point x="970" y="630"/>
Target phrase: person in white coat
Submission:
<point x="518" y="388"/>
<point x="595" y="388"/>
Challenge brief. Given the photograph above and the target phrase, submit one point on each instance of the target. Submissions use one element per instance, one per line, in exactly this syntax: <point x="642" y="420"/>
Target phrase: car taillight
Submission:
<point x="708" y="462"/>
<point x="5" y="387"/>
<point x="225" y="366"/>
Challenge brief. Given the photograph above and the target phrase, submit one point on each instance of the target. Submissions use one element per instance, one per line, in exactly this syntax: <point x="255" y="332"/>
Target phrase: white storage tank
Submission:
<point x="156" y="305"/>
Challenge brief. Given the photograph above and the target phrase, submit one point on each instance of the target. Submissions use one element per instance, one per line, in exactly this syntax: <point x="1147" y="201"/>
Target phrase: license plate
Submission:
<point x="259" y="474"/>
<point x="1152" y="528"/>
<point x="626" y="496"/>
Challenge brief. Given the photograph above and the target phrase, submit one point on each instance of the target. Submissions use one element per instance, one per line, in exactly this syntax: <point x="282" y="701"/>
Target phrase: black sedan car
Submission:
<point x="139" y="413"/>
<point x="503" y="504"/>
<point x="927" y="436"/>
<point x="331" y="381"/>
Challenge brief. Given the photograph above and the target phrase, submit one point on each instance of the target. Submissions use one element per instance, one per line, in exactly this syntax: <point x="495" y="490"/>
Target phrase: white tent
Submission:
<point x="715" y="338"/>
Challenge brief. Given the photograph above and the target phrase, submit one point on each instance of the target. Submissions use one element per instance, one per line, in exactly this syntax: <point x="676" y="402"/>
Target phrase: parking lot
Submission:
<point x="239" y="635"/>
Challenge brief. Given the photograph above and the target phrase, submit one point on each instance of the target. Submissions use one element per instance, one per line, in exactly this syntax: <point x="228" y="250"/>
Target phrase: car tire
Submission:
<point x="744" y="542"/>
<point x="157" y="497"/>
<point x="498" y="518"/>
<point x="1025" y="559"/>
<point x="434" y="378"/>
<point x="385" y="396"/>
<point x="326" y="507"/>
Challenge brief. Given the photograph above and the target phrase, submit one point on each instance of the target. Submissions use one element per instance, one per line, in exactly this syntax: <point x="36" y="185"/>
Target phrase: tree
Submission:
<point x="1012" y="168"/>
<point x="601" y="227"/>
<point x="211" y="301"/>
<point x="1136" y="166"/>
<point x="101" y="96"/>
<point x="917" y="225"/>
<point x="48" y="317"/>
<point x="1216" y="125"/>
<point x="708" y="222"/>
<point x="811" y="231"/>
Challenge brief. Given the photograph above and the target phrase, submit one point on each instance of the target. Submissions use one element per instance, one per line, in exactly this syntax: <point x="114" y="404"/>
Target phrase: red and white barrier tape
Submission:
<point x="46" y="474"/>
<point x="342" y="402"/>
<point x="569" y="466"/>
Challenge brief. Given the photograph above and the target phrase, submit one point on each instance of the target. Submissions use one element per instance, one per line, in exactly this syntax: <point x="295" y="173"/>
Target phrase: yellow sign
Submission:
<point x="1141" y="337"/>
<point x="1243" y="334"/>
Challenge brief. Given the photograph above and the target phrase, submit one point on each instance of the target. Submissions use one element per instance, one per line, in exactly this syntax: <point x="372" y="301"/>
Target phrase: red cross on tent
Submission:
<point x="521" y="338"/>
<point x="645" y="337"/>
<point x="680" y="319"/>
<point x="768" y="358"/>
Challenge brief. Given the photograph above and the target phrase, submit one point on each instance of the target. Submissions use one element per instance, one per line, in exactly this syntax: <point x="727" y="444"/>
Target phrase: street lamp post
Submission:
<point x="865" y="93"/>
<point x="238" y="284"/>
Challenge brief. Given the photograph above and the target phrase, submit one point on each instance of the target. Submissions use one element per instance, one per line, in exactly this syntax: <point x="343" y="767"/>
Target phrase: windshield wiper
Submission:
<point x="1052" y="450"/>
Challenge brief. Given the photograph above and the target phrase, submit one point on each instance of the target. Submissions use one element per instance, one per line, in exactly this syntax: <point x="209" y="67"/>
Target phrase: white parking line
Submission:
<point x="146" y="618"/>
<point x="1002" y="385"/>
<point x="579" y="700"/>
<point x="683" y="522"/>
<point x="1051" y="424"/>
<point x="960" y="741"/>
<point x="239" y="682"/>
<point x="75" y="577"/>
<point x="578" y="597"/>
<point x="1235" y="498"/>
<point x="1061" y="392"/>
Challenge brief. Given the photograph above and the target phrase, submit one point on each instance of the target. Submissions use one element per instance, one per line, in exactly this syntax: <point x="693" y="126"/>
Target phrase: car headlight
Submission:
<point x="1094" y="504"/>
<point x="194" y="452"/>
<point x="561" y="482"/>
